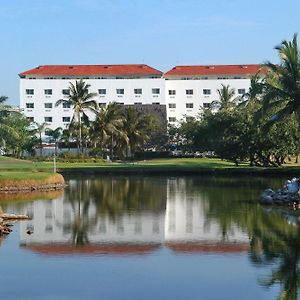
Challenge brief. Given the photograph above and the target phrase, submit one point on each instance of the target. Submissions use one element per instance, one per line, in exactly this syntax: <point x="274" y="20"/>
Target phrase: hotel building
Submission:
<point x="181" y="92"/>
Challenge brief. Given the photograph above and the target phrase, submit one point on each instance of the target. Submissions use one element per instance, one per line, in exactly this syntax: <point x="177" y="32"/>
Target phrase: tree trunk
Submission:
<point x="41" y="145"/>
<point x="79" y="133"/>
<point x="111" y="149"/>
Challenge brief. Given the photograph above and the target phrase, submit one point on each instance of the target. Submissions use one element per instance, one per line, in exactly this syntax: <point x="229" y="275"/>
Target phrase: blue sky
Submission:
<point x="161" y="33"/>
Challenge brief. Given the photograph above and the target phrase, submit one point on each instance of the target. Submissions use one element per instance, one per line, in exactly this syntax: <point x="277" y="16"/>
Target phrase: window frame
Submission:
<point x="155" y="91"/>
<point x="48" y="92"/>
<point x="29" y="92"/>
<point x="189" y="92"/>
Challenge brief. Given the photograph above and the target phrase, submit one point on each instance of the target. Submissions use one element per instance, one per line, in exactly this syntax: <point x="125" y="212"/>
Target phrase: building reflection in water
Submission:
<point x="126" y="215"/>
<point x="138" y="215"/>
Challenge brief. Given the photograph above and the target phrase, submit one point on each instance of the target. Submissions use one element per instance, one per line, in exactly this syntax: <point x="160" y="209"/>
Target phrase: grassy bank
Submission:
<point x="172" y="166"/>
<point x="24" y="181"/>
<point x="21" y="175"/>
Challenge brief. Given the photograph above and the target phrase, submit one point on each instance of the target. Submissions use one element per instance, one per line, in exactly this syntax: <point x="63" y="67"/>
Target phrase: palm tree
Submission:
<point x="40" y="129"/>
<point x="6" y="128"/>
<point x="81" y="101"/>
<point x="137" y="128"/>
<point x="255" y="91"/>
<point x="282" y="84"/>
<point x="55" y="134"/>
<point x="226" y="100"/>
<point x="109" y="123"/>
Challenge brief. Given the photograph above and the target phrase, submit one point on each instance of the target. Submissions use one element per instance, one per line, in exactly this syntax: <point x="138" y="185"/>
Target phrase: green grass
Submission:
<point x="11" y="175"/>
<point x="14" y="165"/>
<point x="147" y="164"/>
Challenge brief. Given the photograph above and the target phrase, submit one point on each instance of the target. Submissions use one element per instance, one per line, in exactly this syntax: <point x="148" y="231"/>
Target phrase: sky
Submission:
<point x="160" y="33"/>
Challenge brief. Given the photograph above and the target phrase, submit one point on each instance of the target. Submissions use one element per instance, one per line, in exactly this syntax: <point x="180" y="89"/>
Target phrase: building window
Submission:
<point x="66" y="119"/>
<point x="156" y="103"/>
<point x="48" y="119"/>
<point x="48" y="92"/>
<point x="138" y="91"/>
<point x="66" y="105"/>
<point x="30" y="92"/>
<point x="189" y="92"/>
<point x="206" y="105"/>
<point x="120" y="91"/>
<point x="155" y="91"/>
<point x="66" y="92"/>
<point x="30" y="119"/>
<point x="172" y="105"/>
<point x="189" y="105"/>
<point x="206" y="91"/>
<point x="102" y="91"/>
<point x="172" y="92"/>
<point x="29" y="105"/>
<point x="172" y="119"/>
<point x="241" y="91"/>
<point x="48" y="105"/>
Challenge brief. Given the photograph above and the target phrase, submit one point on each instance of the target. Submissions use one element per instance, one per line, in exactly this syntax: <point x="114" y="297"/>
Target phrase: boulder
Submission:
<point x="266" y="200"/>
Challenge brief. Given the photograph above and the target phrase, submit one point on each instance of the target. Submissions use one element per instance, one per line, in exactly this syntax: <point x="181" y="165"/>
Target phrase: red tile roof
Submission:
<point x="92" y="70"/>
<point x="214" y="70"/>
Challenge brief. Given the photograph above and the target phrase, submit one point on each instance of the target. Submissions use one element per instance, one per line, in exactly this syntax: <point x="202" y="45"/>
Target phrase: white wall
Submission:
<point x="57" y="85"/>
<point x="146" y="84"/>
<point x="198" y="98"/>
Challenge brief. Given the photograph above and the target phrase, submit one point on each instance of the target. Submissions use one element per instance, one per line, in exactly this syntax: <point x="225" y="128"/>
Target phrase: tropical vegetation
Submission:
<point x="260" y="127"/>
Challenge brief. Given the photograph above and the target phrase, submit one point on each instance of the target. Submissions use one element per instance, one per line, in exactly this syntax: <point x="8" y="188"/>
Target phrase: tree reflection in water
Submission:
<point x="274" y="232"/>
<point x="79" y="198"/>
<point x="228" y="202"/>
<point x="276" y="239"/>
<point x="111" y="196"/>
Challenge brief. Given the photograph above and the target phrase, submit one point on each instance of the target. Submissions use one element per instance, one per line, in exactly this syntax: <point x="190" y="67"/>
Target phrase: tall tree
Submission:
<point x="39" y="129"/>
<point x="108" y="123"/>
<point x="282" y="84"/>
<point x="81" y="100"/>
<point x="226" y="97"/>
<point x="254" y="94"/>
<point x="137" y="128"/>
<point x="7" y="130"/>
<point x="55" y="135"/>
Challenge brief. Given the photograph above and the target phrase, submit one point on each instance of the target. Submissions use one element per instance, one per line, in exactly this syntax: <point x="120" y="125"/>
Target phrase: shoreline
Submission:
<point x="47" y="182"/>
<point x="177" y="171"/>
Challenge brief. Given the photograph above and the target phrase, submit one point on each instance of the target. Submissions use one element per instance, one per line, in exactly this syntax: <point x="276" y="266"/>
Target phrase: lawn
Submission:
<point x="8" y="165"/>
<point x="18" y="170"/>
<point x="178" y="163"/>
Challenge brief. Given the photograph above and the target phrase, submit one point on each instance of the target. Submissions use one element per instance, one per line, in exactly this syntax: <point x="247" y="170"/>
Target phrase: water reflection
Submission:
<point x="131" y="212"/>
<point x="139" y="215"/>
<point x="276" y="240"/>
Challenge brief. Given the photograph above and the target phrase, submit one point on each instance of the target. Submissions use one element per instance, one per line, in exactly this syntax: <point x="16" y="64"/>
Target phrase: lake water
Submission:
<point x="118" y="237"/>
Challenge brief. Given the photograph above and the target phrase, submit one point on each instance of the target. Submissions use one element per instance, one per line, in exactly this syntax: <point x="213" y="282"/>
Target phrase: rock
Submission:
<point x="293" y="186"/>
<point x="288" y="195"/>
<point x="266" y="200"/>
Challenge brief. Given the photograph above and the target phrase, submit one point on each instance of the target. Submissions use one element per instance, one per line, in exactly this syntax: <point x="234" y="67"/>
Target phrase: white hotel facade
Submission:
<point x="184" y="90"/>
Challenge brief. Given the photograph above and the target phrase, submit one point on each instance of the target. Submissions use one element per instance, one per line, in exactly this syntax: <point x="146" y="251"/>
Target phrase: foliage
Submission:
<point x="282" y="84"/>
<point x="81" y="101"/>
<point x="226" y="98"/>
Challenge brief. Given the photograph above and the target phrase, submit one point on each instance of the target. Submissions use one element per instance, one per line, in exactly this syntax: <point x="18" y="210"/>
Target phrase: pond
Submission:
<point x="143" y="237"/>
